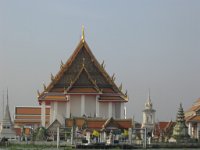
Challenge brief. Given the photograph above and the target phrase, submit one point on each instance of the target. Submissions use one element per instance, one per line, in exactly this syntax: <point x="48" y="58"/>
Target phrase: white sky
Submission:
<point x="147" y="44"/>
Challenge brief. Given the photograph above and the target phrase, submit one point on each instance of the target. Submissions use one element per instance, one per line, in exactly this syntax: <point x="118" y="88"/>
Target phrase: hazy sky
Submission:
<point x="148" y="44"/>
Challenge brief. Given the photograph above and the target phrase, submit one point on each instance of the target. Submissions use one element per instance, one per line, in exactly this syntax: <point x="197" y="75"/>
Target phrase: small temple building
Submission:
<point x="192" y="116"/>
<point x="82" y="88"/>
<point x="6" y="128"/>
<point x="163" y="131"/>
<point x="149" y="116"/>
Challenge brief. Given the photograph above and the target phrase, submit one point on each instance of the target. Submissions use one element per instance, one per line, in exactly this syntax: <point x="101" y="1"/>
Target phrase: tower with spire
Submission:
<point x="148" y="116"/>
<point x="7" y="130"/>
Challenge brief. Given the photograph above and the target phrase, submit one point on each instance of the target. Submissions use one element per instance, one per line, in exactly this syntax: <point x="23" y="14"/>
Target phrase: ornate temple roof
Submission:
<point x="99" y="123"/>
<point x="82" y="73"/>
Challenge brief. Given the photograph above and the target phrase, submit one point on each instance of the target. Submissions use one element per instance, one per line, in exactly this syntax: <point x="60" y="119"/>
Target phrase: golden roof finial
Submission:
<point x="83" y="34"/>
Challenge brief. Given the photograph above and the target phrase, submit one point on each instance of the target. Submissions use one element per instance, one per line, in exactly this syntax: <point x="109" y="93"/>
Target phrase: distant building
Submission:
<point x="149" y="116"/>
<point x="27" y="118"/>
<point x="163" y="131"/>
<point x="192" y="117"/>
<point x="6" y="128"/>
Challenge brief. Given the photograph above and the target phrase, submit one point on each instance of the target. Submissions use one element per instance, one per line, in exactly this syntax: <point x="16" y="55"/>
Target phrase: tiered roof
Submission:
<point x="82" y="74"/>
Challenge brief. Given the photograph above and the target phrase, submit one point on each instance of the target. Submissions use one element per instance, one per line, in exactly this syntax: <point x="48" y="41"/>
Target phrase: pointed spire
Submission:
<point x="149" y="97"/>
<point x="83" y="34"/>
<point x="180" y="115"/>
<point x="7" y="132"/>
<point x="7" y="96"/>
<point x="148" y="103"/>
<point x="3" y="103"/>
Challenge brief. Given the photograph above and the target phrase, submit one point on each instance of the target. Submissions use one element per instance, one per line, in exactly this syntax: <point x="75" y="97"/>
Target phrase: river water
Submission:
<point x="97" y="149"/>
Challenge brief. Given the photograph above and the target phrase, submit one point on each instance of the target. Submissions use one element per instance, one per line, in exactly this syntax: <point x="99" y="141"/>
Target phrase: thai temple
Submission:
<point x="81" y="95"/>
<point x="82" y="99"/>
<point x="149" y="116"/>
<point x="7" y="127"/>
<point x="82" y="87"/>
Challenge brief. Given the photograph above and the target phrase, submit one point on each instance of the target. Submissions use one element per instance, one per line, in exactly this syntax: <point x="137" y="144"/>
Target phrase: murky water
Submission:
<point x="95" y="149"/>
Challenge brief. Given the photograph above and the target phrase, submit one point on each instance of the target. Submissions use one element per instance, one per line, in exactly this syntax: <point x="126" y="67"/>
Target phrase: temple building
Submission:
<point x="149" y="116"/>
<point x="82" y="88"/>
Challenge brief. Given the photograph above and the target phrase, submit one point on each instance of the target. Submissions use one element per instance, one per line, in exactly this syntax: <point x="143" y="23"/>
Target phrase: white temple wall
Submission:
<point x="113" y="110"/>
<point x="75" y="103"/>
<point x="117" y="110"/>
<point x="103" y="110"/>
<point x="61" y="112"/>
<point x="90" y="105"/>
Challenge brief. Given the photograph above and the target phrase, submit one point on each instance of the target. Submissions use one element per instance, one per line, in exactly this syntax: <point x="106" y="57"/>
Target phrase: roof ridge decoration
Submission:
<point x="83" y="34"/>
<point x="101" y="67"/>
<point x="108" y="121"/>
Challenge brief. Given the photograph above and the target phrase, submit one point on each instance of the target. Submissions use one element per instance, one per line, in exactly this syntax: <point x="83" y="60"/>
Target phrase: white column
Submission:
<point x="55" y="110"/>
<point x="122" y="111"/>
<point x="68" y="109"/>
<point x="198" y="129"/>
<point x="58" y="137"/>
<point x="97" y="106"/>
<point x="88" y="137"/>
<point x="82" y="105"/>
<point x="190" y="129"/>
<point x="43" y="113"/>
<point x="130" y="135"/>
<point x="110" y="109"/>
